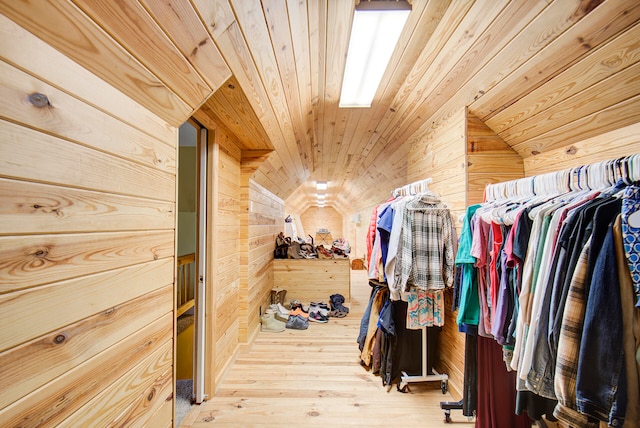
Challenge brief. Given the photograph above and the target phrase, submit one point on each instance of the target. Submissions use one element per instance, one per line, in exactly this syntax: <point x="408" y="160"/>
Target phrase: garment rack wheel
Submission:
<point x="447" y="406"/>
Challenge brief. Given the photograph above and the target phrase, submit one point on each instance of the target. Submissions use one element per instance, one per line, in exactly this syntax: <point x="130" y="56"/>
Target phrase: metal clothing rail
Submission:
<point x="416" y="187"/>
<point x="406" y="379"/>
<point x="587" y="177"/>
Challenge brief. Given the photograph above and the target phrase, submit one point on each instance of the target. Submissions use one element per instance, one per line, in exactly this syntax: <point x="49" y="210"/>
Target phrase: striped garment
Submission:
<point x="425" y="309"/>
<point x="569" y="346"/>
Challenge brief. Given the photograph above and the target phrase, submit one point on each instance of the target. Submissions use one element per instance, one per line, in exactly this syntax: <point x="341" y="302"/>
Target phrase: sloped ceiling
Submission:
<point x="540" y="73"/>
<point x="526" y="68"/>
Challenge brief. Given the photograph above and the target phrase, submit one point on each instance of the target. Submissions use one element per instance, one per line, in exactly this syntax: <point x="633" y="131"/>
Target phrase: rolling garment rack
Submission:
<point x="420" y="186"/>
<point x="599" y="175"/>
<point x="406" y="379"/>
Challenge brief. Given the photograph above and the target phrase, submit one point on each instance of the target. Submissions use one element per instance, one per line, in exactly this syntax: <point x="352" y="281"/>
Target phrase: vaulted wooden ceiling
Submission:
<point x="271" y="70"/>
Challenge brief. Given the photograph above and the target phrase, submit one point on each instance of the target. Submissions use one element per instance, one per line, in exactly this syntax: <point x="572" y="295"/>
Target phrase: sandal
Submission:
<point x="337" y="313"/>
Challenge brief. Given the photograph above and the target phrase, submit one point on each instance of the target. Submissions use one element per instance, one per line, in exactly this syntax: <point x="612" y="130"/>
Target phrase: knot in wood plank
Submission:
<point x="39" y="100"/>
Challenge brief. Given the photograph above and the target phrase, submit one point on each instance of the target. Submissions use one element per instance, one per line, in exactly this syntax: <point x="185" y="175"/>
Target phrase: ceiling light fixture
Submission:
<point x="321" y="196"/>
<point x="321" y="185"/>
<point x="375" y="31"/>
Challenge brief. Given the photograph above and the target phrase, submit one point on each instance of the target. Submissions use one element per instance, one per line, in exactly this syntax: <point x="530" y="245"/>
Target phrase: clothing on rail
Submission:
<point x="412" y="251"/>
<point x="543" y="276"/>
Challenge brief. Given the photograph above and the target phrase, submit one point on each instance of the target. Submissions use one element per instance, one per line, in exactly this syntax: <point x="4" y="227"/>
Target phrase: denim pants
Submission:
<point x="601" y="380"/>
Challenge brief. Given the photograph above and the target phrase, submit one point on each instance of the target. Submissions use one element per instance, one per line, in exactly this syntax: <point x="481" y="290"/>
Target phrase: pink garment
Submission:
<point x="479" y="251"/>
<point x="494" y="258"/>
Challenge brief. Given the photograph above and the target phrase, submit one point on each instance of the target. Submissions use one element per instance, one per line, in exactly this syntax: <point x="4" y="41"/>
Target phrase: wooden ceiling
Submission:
<point x="271" y="70"/>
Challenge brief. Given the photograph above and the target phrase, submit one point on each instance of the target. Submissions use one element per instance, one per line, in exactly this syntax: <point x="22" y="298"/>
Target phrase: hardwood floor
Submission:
<point x="313" y="378"/>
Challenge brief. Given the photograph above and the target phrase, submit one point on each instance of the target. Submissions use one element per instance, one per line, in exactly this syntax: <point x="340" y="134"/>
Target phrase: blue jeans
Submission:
<point x="364" y="322"/>
<point x="601" y="390"/>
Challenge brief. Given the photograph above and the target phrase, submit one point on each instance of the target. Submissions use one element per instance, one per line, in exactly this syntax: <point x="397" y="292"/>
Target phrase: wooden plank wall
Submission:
<point x="265" y="218"/>
<point x="313" y="280"/>
<point x="315" y="218"/>
<point x="611" y="145"/>
<point x="87" y="226"/>
<point x="489" y="160"/>
<point x="356" y="233"/>
<point x="440" y="153"/>
<point x="225" y="258"/>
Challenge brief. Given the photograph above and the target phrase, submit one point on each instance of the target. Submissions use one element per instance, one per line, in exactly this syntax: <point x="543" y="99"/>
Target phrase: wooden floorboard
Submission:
<point x="313" y="377"/>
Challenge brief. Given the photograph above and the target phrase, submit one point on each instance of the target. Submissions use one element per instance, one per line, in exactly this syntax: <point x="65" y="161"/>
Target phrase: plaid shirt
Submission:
<point x="426" y="248"/>
<point x="569" y="346"/>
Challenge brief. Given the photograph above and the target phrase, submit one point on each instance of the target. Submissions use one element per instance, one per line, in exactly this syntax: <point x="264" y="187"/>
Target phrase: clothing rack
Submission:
<point x="605" y="176"/>
<point x="586" y="177"/>
<point x="420" y="186"/>
<point x="406" y="379"/>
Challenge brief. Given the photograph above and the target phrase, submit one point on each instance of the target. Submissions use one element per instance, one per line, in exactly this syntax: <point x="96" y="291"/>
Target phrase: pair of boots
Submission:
<point x="277" y="295"/>
<point x="337" y="308"/>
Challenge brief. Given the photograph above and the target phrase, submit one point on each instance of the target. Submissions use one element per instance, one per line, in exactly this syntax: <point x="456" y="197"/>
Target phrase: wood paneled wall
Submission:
<point x="265" y="217"/>
<point x="87" y="226"/>
<point x="356" y="233"/>
<point x="315" y="218"/>
<point x="461" y="155"/>
<point x="611" y="145"/>
<point x="489" y="160"/>
<point x="440" y="153"/>
<point x="224" y="257"/>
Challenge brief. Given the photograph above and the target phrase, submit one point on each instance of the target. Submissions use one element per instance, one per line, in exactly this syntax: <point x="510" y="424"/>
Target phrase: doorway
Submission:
<point x="191" y="266"/>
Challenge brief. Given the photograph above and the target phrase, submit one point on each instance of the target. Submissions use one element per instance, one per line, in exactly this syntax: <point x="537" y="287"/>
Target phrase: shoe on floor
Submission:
<point x="270" y="324"/>
<point x="299" y="312"/>
<point x="297" y="322"/>
<point x="280" y="312"/>
<point x="318" y="317"/>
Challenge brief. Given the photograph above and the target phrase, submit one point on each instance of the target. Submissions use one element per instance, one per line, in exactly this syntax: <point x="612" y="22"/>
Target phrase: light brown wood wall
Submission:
<point x="440" y="153"/>
<point x="461" y="156"/>
<point x="87" y="226"/>
<point x="315" y="218"/>
<point x="356" y="233"/>
<point x="611" y="145"/>
<point x="265" y="217"/>
<point x="489" y="160"/>
<point x="225" y="255"/>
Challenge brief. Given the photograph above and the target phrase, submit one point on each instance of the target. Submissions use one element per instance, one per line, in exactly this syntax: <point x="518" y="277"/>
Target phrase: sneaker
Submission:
<point x="280" y="311"/>
<point x="323" y="253"/>
<point x="321" y="307"/>
<point x="295" y="304"/>
<point x="324" y="309"/>
<point x="318" y="317"/>
<point x="297" y="322"/>
<point x="336" y="313"/>
<point x="299" y="312"/>
<point x="337" y="301"/>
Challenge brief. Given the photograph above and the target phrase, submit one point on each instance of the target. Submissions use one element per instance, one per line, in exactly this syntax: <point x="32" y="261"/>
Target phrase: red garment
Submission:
<point x="371" y="233"/>
<point x="479" y="250"/>
<point x="496" y="390"/>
